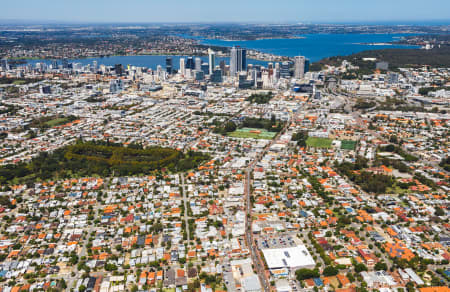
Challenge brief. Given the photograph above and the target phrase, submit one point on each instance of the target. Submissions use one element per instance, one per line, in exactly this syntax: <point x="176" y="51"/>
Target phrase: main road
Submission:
<point x="256" y="258"/>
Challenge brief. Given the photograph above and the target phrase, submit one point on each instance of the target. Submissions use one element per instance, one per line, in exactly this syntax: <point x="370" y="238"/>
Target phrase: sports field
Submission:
<point x="319" y="142"/>
<point x="348" y="145"/>
<point x="252" y="133"/>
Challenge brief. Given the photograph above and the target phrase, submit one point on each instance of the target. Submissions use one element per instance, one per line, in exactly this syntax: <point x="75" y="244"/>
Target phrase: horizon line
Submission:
<point x="287" y="22"/>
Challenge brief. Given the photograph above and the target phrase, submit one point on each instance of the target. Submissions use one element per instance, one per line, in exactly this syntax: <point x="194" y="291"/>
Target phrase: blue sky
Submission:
<point x="225" y="10"/>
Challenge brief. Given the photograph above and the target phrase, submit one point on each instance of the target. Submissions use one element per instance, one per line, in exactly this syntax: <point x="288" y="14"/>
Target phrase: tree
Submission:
<point x="330" y="271"/>
<point x="230" y="127"/>
<point x="360" y="267"/>
<point x="380" y="266"/>
<point x="439" y="212"/>
<point x="303" y="274"/>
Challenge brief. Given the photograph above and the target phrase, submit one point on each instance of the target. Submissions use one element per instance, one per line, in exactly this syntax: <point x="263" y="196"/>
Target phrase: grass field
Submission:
<point x="247" y="133"/>
<point x="348" y="145"/>
<point x="19" y="82"/>
<point x="57" y="122"/>
<point x="319" y="142"/>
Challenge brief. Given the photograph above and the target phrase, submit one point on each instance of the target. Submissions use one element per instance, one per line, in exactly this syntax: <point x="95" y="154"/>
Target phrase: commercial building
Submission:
<point x="212" y="60"/>
<point x="238" y="60"/>
<point x="291" y="258"/>
<point x="299" y="67"/>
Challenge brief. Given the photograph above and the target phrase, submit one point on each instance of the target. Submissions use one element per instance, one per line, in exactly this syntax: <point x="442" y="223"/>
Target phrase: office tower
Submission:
<point x="169" y="65"/>
<point x="205" y="68"/>
<point x="270" y="66"/>
<point x="65" y="64"/>
<point x="284" y="70"/>
<point x="94" y="66"/>
<point x="182" y="66"/>
<point x="190" y="63"/>
<point x="243" y="59"/>
<point x="199" y="75"/>
<point x="212" y="60"/>
<point x="198" y="64"/>
<point x="254" y="74"/>
<point x="299" y="67"/>
<point x="238" y="60"/>
<point x="54" y="64"/>
<point x="118" y="68"/>
<point x="222" y="65"/>
<point x="244" y="83"/>
<point x="233" y="61"/>
<point x="4" y="64"/>
<point x="216" y="76"/>
<point x="307" y="62"/>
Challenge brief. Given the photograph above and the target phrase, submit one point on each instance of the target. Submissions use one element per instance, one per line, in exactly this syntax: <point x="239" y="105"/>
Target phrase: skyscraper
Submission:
<point x="118" y="68"/>
<point x="190" y="63"/>
<point x="284" y="70"/>
<point x="216" y="75"/>
<point x="169" y="65"/>
<point x="198" y="64"/>
<point x="182" y="66"/>
<point x="299" y="67"/>
<point x="4" y="64"/>
<point x="238" y="60"/>
<point x="205" y="68"/>
<point x="212" y="60"/>
<point x="222" y="66"/>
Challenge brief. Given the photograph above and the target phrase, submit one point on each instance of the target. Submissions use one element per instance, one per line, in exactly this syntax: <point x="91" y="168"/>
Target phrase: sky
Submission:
<point x="267" y="11"/>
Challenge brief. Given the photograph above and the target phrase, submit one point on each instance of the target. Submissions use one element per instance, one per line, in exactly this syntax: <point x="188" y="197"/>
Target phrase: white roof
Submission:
<point x="290" y="257"/>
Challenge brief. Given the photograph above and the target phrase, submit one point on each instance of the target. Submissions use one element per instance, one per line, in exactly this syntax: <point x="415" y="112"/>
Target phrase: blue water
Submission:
<point x="316" y="46"/>
<point x="313" y="46"/>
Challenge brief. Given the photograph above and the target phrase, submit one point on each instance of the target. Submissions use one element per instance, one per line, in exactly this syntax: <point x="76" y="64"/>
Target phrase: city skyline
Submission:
<point x="198" y="11"/>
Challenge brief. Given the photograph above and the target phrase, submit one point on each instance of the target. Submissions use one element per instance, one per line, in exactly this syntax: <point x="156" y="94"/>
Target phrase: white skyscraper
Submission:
<point x="233" y="61"/>
<point x="299" y="67"/>
<point x="198" y="64"/>
<point x="238" y="60"/>
<point x="182" y="66"/>
<point x="212" y="60"/>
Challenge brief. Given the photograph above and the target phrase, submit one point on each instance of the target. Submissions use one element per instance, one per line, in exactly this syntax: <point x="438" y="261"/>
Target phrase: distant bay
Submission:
<point x="313" y="46"/>
<point x="317" y="46"/>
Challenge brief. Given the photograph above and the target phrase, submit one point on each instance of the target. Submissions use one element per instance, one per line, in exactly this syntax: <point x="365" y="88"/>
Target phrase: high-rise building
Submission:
<point x="198" y="64"/>
<point x="284" y="70"/>
<point x="65" y="64"/>
<point x="118" y="68"/>
<point x="199" y="75"/>
<point x="4" y="64"/>
<point x="212" y="60"/>
<point x="205" y="68"/>
<point x="222" y="65"/>
<point x="190" y="63"/>
<point x="216" y="75"/>
<point x="55" y="64"/>
<point x="182" y="66"/>
<point x="94" y="66"/>
<point x="238" y="60"/>
<point x="169" y="65"/>
<point x="299" y="67"/>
